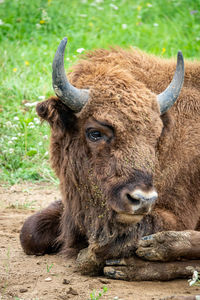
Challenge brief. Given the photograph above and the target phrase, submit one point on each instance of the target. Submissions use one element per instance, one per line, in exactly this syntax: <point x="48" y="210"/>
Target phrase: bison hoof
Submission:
<point x="87" y="264"/>
<point x="114" y="262"/>
<point x="164" y="246"/>
<point x="113" y="269"/>
<point x="120" y="268"/>
<point x="114" y="273"/>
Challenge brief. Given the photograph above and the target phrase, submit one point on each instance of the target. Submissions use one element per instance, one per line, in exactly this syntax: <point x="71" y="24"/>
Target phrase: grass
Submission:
<point x="25" y="205"/>
<point x="30" y="32"/>
<point x="49" y="268"/>
<point x="98" y="295"/>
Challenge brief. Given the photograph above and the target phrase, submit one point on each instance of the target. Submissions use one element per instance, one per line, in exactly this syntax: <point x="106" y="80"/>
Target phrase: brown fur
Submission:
<point x="33" y="236"/>
<point x="163" y="150"/>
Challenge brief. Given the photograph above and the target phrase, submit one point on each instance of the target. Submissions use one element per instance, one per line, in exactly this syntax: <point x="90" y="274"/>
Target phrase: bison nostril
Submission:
<point x="133" y="200"/>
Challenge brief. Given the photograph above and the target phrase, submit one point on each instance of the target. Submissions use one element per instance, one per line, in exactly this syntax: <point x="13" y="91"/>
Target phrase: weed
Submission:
<point x="24" y="205"/>
<point x="93" y="295"/>
<point x="49" y="267"/>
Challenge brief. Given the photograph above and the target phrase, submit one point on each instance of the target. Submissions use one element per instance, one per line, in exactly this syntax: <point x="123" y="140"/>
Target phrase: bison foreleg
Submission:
<point x="135" y="269"/>
<point x="163" y="246"/>
<point x="40" y="231"/>
<point x="170" y="245"/>
<point x="88" y="264"/>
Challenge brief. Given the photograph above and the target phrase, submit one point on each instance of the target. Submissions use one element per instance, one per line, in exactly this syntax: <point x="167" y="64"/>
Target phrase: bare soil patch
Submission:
<point x="51" y="276"/>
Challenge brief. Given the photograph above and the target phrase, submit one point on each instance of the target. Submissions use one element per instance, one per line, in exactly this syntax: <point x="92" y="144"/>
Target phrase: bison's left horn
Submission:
<point x="73" y="97"/>
<point x="167" y="98"/>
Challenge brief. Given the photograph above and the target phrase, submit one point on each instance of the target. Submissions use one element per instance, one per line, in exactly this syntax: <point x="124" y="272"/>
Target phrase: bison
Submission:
<point x="125" y="145"/>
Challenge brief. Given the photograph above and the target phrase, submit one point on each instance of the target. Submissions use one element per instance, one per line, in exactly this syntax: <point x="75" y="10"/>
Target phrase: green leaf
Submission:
<point x="31" y="152"/>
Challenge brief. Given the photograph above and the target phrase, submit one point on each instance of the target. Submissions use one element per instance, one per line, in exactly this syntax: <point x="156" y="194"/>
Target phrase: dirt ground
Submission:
<point x="51" y="276"/>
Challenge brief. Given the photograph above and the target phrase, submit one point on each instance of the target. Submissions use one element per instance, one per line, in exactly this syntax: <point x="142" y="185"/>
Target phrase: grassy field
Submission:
<point x="30" y="32"/>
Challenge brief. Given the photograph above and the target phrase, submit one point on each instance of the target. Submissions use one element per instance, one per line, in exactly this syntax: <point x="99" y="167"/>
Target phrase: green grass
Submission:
<point x="49" y="268"/>
<point x="30" y="32"/>
<point x="97" y="295"/>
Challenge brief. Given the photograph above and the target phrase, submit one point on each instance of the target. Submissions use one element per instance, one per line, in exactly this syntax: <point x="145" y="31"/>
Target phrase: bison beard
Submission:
<point x="128" y="161"/>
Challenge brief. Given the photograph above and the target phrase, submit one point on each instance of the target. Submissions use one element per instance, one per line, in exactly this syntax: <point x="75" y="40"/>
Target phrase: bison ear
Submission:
<point x="56" y="113"/>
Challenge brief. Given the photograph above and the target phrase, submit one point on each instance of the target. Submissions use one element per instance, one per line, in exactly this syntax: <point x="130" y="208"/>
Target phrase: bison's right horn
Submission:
<point x="71" y="96"/>
<point x="167" y="98"/>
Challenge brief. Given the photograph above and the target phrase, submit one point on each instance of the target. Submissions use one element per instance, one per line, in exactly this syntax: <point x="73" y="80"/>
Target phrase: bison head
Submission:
<point x="104" y="140"/>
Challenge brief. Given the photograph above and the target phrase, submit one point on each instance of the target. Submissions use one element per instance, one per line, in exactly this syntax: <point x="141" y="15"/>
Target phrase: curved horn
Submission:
<point x="71" y="96"/>
<point x="167" y="98"/>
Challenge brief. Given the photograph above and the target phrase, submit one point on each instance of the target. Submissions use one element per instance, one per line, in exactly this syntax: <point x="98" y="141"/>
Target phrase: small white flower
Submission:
<point x="194" y="279"/>
<point x="67" y="58"/>
<point x="82" y="15"/>
<point x="31" y="125"/>
<point x="19" y="134"/>
<point x="197" y="39"/>
<point x="1" y="22"/>
<point x="38" y="26"/>
<point x="46" y="153"/>
<point x="139" y="17"/>
<point x="9" y="124"/>
<point x="114" y="6"/>
<point x="80" y="50"/>
<point x="41" y="97"/>
<point x="156" y="24"/>
<point x="98" y="1"/>
<point x="93" y="4"/>
<point x="10" y="142"/>
<point x="36" y="120"/>
<point x="16" y="119"/>
<point x="40" y="143"/>
<point x="191" y="282"/>
<point x="100" y="8"/>
<point x="14" y="138"/>
<point x="11" y="150"/>
<point x="45" y="16"/>
<point x="45" y="137"/>
<point x="195" y="275"/>
<point x="149" y="5"/>
<point x="124" y="26"/>
<point x="31" y="104"/>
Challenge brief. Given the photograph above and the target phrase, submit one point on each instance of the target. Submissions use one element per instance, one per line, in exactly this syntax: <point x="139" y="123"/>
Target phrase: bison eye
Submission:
<point x="94" y="135"/>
